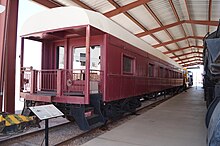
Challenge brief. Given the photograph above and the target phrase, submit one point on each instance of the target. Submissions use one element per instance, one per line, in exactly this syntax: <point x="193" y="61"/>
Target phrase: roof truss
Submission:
<point x="125" y="8"/>
<point x="177" y="40"/>
<point x="49" y="4"/>
<point x="201" y="22"/>
<point x="185" y="54"/>
<point x="181" y="49"/>
<point x="81" y="4"/>
<point x="196" y="57"/>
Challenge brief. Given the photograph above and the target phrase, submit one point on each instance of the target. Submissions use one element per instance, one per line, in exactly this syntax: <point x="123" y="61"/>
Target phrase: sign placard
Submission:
<point x="46" y="111"/>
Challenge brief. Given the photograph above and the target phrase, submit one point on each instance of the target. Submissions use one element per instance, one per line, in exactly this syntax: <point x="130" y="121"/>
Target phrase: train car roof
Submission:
<point x="66" y="17"/>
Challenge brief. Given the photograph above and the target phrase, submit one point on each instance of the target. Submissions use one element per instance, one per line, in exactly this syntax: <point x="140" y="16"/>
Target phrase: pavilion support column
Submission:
<point x="2" y="22"/>
<point x="8" y="36"/>
<point x="87" y="80"/>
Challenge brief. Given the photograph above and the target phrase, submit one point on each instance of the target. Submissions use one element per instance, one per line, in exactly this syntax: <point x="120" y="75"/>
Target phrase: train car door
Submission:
<point x="79" y="58"/>
<point x="59" y="55"/>
<point x="79" y="66"/>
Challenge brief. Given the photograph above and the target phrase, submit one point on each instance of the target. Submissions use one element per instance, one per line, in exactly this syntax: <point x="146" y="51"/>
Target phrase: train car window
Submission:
<point x="60" y="57"/>
<point x="79" y="57"/>
<point x="161" y="72"/>
<point x="170" y="74"/>
<point x="128" y="64"/>
<point x="151" y="70"/>
<point x="82" y="59"/>
<point x="166" y="73"/>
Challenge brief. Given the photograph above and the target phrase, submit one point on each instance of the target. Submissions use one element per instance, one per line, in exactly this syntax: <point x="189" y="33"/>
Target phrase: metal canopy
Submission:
<point x="175" y="27"/>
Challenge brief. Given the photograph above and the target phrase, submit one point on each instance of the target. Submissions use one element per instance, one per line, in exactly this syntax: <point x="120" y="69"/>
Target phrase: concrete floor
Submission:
<point x="176" y="122"/>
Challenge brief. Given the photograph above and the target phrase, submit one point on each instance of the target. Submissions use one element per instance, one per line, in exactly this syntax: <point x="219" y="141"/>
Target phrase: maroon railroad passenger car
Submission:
<point x="91" y="68"/>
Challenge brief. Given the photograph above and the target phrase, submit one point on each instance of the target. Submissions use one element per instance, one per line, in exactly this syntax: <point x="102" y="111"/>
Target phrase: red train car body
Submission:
<point x="88" y="69"/>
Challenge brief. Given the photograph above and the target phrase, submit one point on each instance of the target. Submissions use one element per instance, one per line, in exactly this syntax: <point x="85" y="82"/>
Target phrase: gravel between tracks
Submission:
<point x="69" y="130"/>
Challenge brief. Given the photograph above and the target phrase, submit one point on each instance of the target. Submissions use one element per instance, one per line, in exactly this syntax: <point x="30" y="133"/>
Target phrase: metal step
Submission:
<point x="93" y="119"/>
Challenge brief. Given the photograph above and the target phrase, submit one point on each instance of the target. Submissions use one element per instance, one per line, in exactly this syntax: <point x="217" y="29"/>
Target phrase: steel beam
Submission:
<point x="48" y="3"/>
<point x="193" y="28"/>
<point x="192" y="61"/>
<point x="128" y="15"/>
<point x="135" y="21"/>
<point x="191" y="64"/>
<point x="125" y="8"/>
<point x="8" y="43"/>
<point x="172" y="51"/>
<point x="201" y="22"/>
<point x="197" y="57"/>
<point x="186" y="54"/>
<point x="159" y="22"/>
<point x="178" y="19"/>
<point x="81" y="4"/>
<point x="159" y="29"/>
<point x="177" y="40"/>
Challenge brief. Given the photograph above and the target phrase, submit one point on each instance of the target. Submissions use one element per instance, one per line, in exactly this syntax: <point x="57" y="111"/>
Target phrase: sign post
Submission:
<point x="46" y="112"/>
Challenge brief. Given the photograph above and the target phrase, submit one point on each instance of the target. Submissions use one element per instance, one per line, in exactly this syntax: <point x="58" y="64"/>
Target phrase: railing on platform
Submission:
<point x="25" y="79"/>
<point x="60" y="81"/>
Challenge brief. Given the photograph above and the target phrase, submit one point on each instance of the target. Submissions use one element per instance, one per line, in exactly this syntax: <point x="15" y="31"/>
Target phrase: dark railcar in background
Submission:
<point x="211" y="84"/>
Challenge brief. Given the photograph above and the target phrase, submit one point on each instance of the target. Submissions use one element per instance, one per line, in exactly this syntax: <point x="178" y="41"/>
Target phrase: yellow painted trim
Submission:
<point x="15" y="121"/>
<point x="25" y="119"/>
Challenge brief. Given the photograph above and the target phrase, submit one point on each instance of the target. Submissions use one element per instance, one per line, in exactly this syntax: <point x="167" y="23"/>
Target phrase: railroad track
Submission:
<point x="90" y="133"/>
<point x="28" y="134"/>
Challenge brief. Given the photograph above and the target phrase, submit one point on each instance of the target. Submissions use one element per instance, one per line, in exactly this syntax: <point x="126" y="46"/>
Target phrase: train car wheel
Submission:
<point x="210" y="110"/>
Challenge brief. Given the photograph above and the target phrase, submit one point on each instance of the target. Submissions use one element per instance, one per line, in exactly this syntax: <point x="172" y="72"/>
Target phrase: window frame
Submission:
<point x="73" y="47"/>
<point x="133" y="60"/>
<point x="153" y="70"/>
<point x="58" y="50"/>
<point x="160" y="72"/>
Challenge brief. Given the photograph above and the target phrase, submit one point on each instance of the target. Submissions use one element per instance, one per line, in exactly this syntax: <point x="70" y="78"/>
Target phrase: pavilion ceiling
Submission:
<point x="175" y="27"/>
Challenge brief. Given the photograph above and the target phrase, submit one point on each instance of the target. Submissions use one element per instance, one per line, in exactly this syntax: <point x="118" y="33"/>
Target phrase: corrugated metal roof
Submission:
<point x="199" y="9"/>
<point x="149" y="40"/>
<point x="201" y="30"/>
<point x="124" y="2"/>
<point x="161" y="35"/>
<point x="183" y="43"/>
<point x="153" y="25"/>
<point x="176" y="32"/>
<point x="99" y="5"/>
<point x="172" y="46"/>
<point x="162" y="49"/>
<point x="163" y="11"/>
<point x="125" y="22"/>
<point x="215" y="10"/>
<point x="181" y="9"/>
<point x="66" y="2"/>
<point x="145" y="18"/>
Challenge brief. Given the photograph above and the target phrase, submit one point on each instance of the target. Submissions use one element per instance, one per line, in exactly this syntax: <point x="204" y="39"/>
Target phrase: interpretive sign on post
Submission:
<point x="46" y="112"/>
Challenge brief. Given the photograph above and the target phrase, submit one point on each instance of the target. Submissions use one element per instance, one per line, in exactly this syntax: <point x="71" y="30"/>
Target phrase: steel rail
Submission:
<point x="92" y="131"/>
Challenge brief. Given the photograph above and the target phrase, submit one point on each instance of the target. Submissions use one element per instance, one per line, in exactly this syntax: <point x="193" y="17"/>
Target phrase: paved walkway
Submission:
<point x="176" y="122"/>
